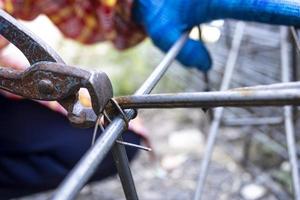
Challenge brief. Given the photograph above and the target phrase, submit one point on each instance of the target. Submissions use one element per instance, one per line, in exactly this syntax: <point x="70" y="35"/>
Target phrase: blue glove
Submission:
<point x="166" y="20"/>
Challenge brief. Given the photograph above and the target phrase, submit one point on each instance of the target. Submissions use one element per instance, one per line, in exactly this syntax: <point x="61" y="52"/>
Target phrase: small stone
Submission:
<point x="172" y="162"/>
<point x="285" y="166"/>
<point x="188" y="140"/>
<point x="253" y="191"/>
<point x="232" y="133"/>
<point x="160" y="173"/>
<point x="86" y="190"/>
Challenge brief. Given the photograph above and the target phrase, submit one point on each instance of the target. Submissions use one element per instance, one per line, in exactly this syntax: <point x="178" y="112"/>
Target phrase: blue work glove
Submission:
<point x="166" y="20"/>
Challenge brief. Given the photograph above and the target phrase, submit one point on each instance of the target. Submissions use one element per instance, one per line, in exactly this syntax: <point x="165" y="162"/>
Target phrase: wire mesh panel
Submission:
<point x="253" y="59"/>
<point x="264" y="59"/>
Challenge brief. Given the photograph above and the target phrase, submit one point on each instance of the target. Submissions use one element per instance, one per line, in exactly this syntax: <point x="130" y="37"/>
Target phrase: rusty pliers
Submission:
<point x="48" y="78"/>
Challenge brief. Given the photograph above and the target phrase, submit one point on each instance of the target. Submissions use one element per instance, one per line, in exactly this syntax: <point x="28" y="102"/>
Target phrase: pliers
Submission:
<point x="49" y="78"/>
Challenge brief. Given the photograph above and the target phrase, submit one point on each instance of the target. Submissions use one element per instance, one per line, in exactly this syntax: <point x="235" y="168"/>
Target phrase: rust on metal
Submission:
<point x="245" y="91"/>
<point x="48" y="78"/>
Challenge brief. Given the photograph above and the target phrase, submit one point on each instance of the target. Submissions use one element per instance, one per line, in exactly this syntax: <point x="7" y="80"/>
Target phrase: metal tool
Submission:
<point x="59" y="82"/>
<point x="48" y="78"/>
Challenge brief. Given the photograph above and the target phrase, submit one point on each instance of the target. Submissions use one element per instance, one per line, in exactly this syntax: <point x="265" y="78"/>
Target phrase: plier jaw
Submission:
<point x="49" y="79"/>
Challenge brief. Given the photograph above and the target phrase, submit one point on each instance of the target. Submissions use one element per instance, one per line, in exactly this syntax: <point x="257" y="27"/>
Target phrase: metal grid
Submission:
<point x="79" y="176"/>
<point x="254" y="117"/>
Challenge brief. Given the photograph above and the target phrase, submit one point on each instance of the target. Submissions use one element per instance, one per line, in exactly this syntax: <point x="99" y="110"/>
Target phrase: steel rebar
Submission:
<point x="295" y="35"/>
<point x="288" y="120"/>
<point x="212" y="99"/>
<point x="122" y="164"/>
<point x="213" y="132"/>
<point x="86" y="167"/>
<point x="252" y="121"/>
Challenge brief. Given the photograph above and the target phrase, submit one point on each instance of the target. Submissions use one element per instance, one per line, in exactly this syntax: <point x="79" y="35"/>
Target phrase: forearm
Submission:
<point x="285" y="12"/>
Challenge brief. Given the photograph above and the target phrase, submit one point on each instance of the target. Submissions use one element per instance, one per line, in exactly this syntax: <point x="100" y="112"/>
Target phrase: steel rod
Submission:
<point x="87" y="165"/>
<point x="252" y="121"/>
<point x="296" y="38"/>
<point x="140" y="147"/>
<point x="161" y="69"/>
<point x="122" y="164"/>
<point x="288" y="119"/>
<point x="213" y="99"/>
<point x="119" y="153"/>
<point x="213" y="132"/>
<point x="275" y="86"/>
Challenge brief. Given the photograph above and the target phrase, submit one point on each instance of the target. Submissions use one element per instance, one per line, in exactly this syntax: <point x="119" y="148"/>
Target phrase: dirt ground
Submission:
<point x="173" y="174"/>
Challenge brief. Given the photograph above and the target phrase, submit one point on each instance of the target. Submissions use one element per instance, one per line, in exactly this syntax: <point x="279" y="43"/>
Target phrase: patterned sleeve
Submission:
<point x="87" y="21"/>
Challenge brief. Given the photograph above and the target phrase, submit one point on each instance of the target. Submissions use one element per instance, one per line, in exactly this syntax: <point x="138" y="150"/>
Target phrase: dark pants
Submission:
<point x="38" y="148"/>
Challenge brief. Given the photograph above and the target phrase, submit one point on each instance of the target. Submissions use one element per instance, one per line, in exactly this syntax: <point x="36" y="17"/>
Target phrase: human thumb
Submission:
<point x="193" y="53"/>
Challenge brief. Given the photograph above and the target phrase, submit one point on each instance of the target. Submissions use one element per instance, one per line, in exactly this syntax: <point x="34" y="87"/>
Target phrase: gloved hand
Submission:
<point x="166" y="20"/>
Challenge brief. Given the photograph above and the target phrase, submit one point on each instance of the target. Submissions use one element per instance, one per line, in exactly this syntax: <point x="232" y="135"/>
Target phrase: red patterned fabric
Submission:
<point x="87" y="21"/>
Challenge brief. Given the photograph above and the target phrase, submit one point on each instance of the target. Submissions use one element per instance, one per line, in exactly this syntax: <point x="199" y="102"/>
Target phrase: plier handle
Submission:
<point x="48" y="78"/>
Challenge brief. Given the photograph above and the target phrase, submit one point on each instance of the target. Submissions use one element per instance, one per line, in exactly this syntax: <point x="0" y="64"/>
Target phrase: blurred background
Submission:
<point x="250" y="159"/>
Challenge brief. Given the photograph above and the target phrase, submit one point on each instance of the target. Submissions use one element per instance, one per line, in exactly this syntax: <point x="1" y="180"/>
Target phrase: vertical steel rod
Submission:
<point x="296" y="38"/>
<point x="87" y="165"/>
<point x="295" y="62"/>
<point x="288" y="119"/>
<point x="122" y="164"/>
<point x="213" y="132"/>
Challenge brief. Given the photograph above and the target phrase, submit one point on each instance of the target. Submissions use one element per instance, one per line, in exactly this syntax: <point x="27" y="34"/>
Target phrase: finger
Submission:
<point x="285" y="12"/>
<point x="193" y="53"/>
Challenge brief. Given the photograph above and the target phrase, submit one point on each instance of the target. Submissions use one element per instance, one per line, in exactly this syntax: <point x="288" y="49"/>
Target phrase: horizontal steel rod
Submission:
<point x="87" y="165"/>
<point x="213" y="99"/>
<point x="275" y="86"/>
<point x="252" y="121"/>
